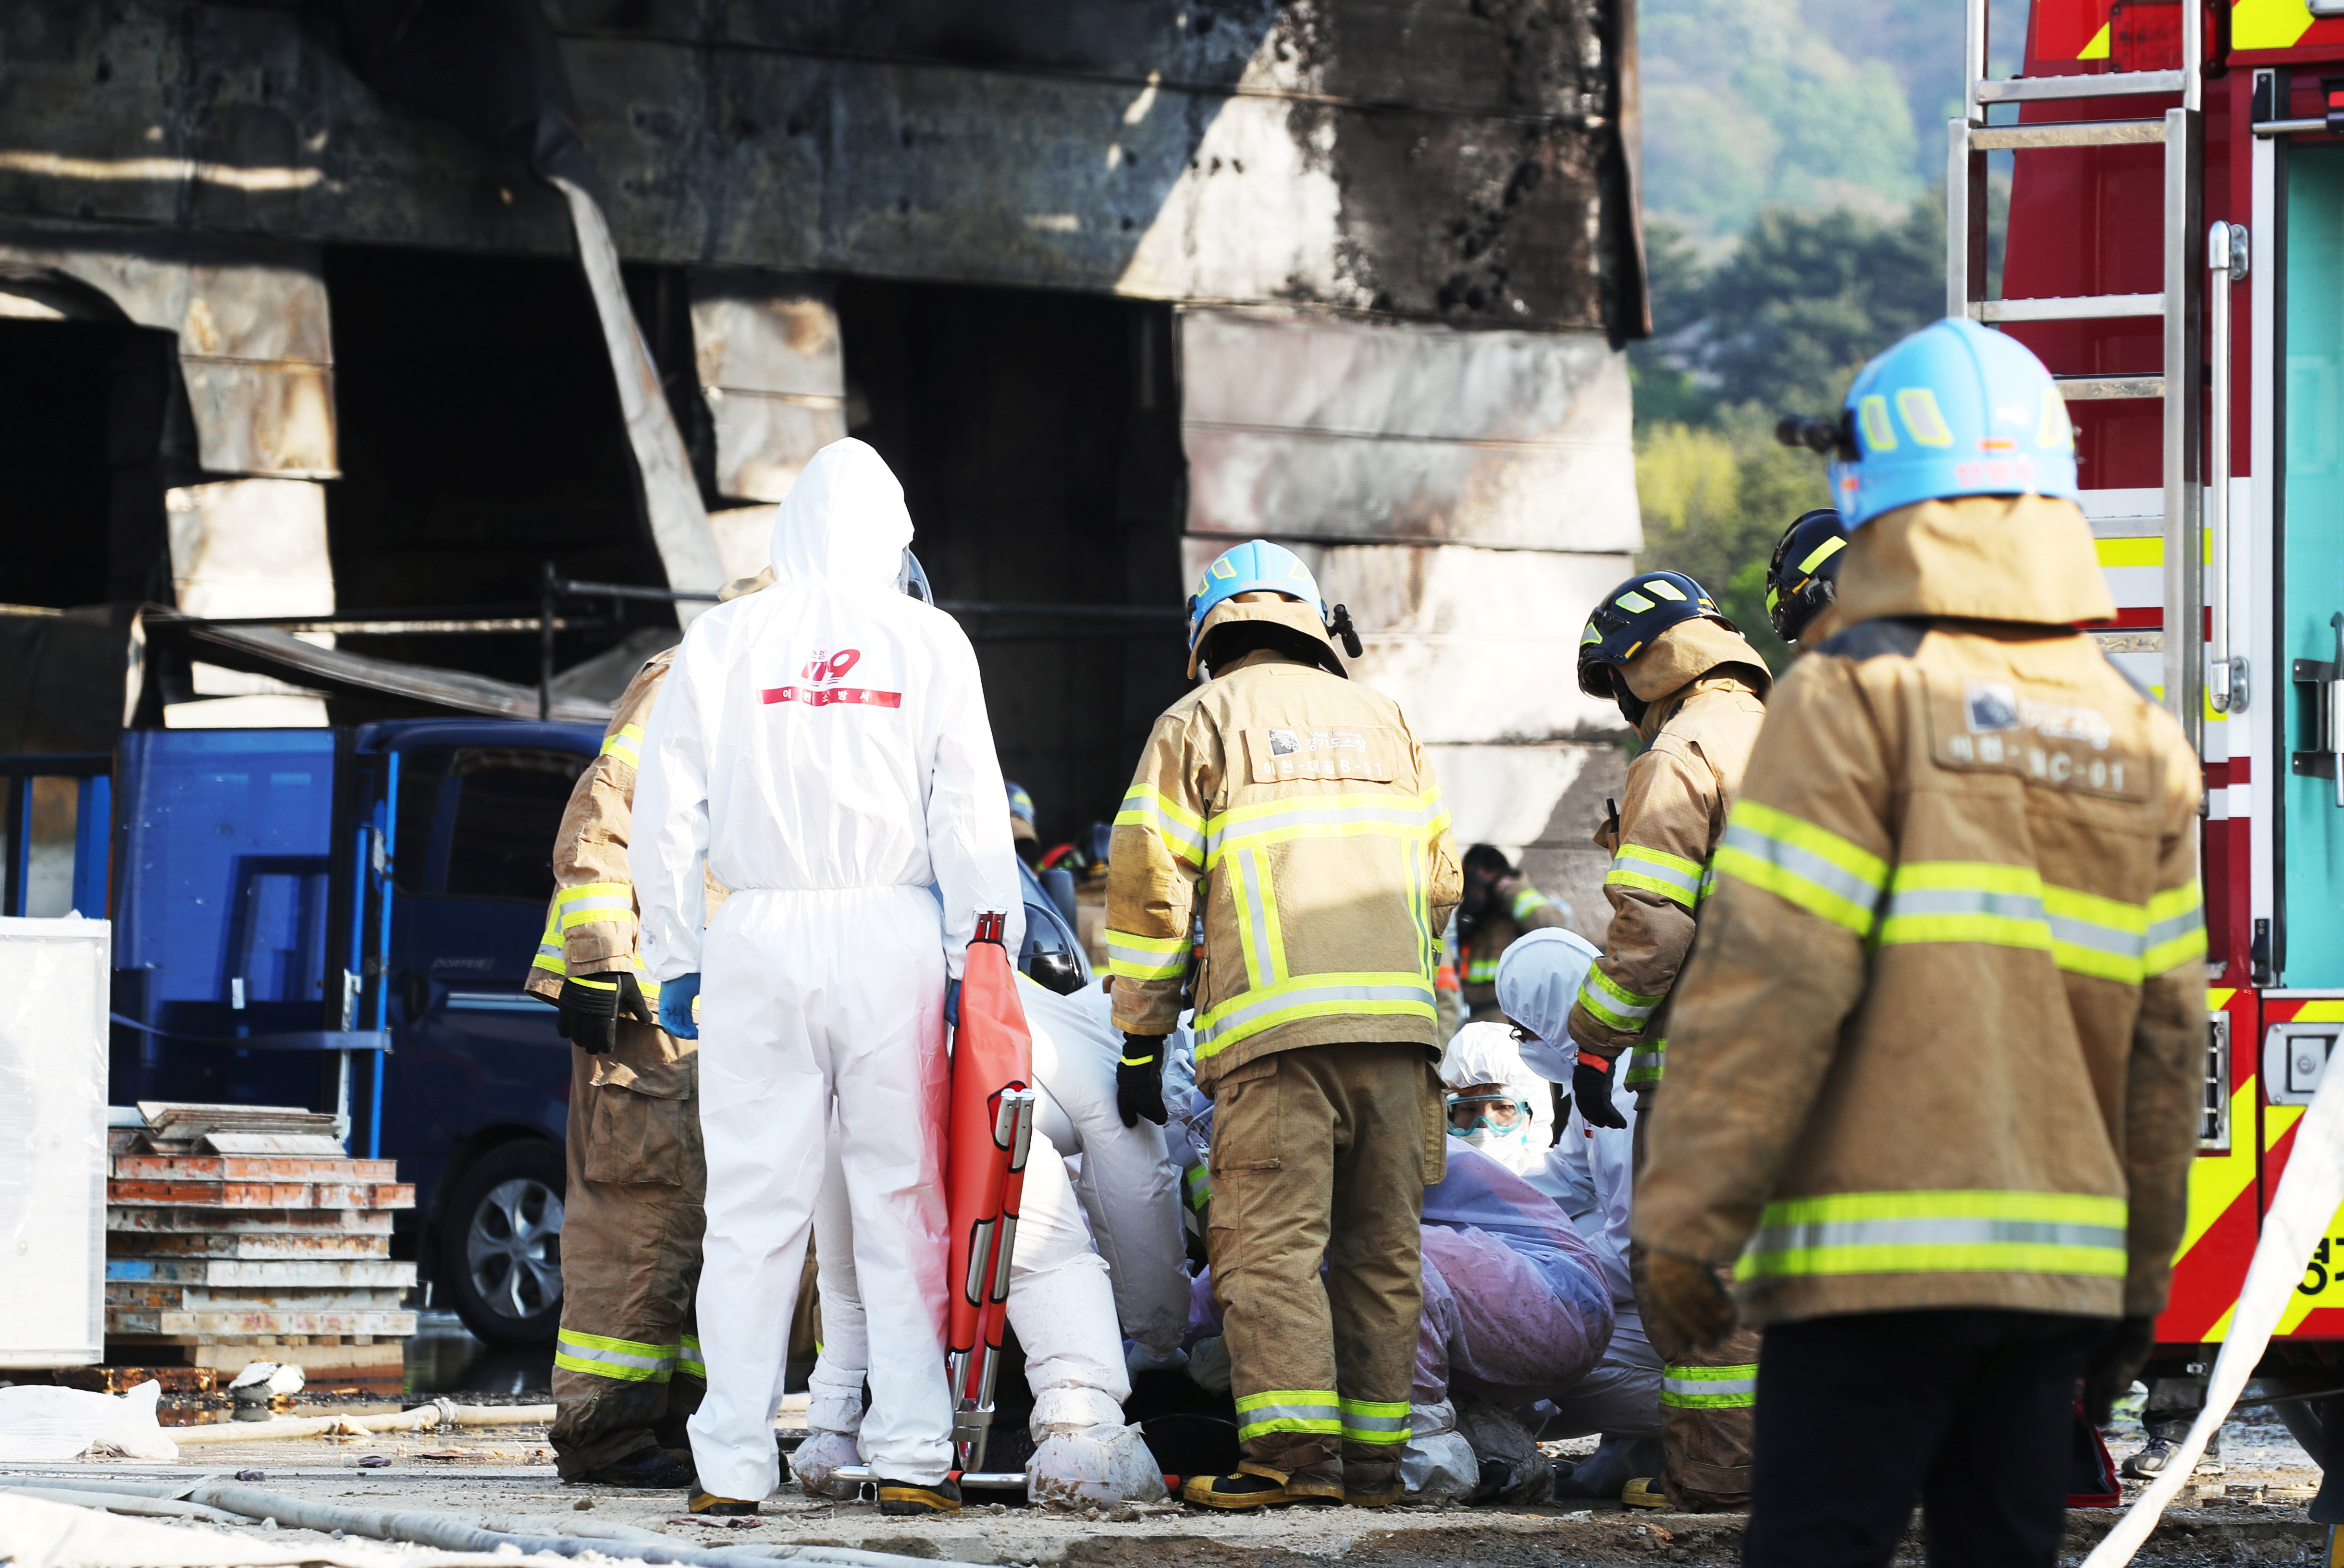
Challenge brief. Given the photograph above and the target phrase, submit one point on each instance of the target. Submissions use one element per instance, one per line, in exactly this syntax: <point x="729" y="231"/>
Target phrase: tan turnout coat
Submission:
<point x="1940" y="1044"/>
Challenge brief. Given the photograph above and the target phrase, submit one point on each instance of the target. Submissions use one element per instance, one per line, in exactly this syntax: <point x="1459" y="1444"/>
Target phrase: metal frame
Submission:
<point x="2180" y="131"/>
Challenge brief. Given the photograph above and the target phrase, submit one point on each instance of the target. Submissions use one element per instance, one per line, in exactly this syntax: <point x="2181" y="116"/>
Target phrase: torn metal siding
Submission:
<point x="254" y="329"/>
<point x="1400" y="155"/>
<point x="770" y="367"/>
<point x="1334" y="428"/>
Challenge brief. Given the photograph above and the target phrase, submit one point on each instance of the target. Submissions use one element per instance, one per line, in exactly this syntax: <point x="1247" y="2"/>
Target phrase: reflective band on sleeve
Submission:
<point x="589" y="903"/>
<point x="1182" y="830"/>
<point x="1710" y="1388"/>
<point x="548" y="948"/>
<point x="1810" y="867"/>
<point x="1655" y="871"/>
<point x="625" y="743"/>
<point x="1647" y="1061"/>
<point x="1527" y="901"/>
<point x="627" y="1361"/>
<point x="1198" y="1183"/>
<point x="1312" y="996"/>
<point x="1938" y="1233"/>
<point x="1374" y="1421"/>
<point x="688" y="1361"/>
<point x="1145" y="958"/>
<point x="1614" y="1003"/>
<point x="2177" y="929"/>
<point x="1419" y="817"/>
<point x="1289" y="1409"/>
<point x="1482" y="972"/>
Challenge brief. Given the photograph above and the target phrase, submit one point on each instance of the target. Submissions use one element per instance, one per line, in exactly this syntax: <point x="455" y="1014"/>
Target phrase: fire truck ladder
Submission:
<point x="1969" y="139"/>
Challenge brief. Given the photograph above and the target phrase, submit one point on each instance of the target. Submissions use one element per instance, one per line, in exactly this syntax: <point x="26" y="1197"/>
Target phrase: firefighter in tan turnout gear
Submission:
<point x="1295" y="813"/>
<point x="1695" y="692"/>
<point x="1933" y="1069"/>
<point x="1500" y="905"/>
<point x="626" y="1366"/>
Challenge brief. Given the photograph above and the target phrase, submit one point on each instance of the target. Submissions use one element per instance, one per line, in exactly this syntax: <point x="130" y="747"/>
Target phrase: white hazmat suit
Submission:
<point x="1088" y="1252"/>
<point x="823" y="747"/>
<point x="1482" y="1053"/>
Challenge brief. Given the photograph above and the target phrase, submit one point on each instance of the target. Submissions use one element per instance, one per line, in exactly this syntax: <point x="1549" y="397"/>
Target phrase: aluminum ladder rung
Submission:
<point x="2071" y="133"/>
<point x="2093" y="388"/>
<point x="2079" y="308"/>
<point x="2040" y="89"/>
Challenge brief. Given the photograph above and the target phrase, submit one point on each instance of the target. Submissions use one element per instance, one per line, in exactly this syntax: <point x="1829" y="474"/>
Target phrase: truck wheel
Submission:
<point x="500" y="1244"/>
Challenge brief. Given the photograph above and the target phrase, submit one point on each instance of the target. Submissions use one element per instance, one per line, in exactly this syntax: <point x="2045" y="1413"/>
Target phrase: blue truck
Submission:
<point x="342" y="918"/>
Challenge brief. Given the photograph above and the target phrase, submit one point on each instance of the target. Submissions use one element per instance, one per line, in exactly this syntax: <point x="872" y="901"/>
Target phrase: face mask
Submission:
<point x="1497" y="1126"/>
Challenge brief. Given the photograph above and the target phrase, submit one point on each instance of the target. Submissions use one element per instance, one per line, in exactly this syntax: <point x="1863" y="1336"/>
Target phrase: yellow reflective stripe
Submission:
<point x="1823" y="553"/>
<point x="625" y="743"/>
<point x="1613" y="1003"/>
<point x="1527" y="901"/>
<point x="1257" y="929"/>
<point x="1938" y="1232"/>
<point x="548" y="948"/>
<point x="1145" y="958"/>
<point x="1374" y="1421"/>
<point x="1710" y="1388"/>
<point x="2176" y="931"/>
<point x="1417" y="816"/>
<point x="1482" y="972"/>
<point x="1648" y="1062"/>
<point x="1313" y="996"/>
<point x="626" y="1361"/>
<point x="1198" y="1183"/>
<point x="688" y="1361"/>
<point x="1288" y="1409"/>
<point x="1182" y="830"/>
<point x="1803" y="864"/>
<point x="589" y="903"/>
<point x="1655" y="871"/>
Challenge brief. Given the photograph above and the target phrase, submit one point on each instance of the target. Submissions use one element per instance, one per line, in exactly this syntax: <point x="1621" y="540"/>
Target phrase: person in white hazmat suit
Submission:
<point x="1094" y="1261"/>
<point x="1591" y="1173"/>
<point x="823" y="747"/>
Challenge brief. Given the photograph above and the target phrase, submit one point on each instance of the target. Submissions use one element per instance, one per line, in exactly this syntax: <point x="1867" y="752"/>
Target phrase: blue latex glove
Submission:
<point x="951" y="1002"/>
<point x="676" y="997"/>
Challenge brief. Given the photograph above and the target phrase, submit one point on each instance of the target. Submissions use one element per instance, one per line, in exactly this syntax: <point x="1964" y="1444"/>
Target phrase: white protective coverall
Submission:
<point x="824" y="747"/>
<point x="1590" y="1171"/>
<point x="1088" y="1252"/>
<point x="1484" y="1052"/>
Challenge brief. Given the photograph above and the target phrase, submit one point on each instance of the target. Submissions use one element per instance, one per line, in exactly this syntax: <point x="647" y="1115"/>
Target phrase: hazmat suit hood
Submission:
<point x="1485" y="1053"/>
<point x="2027" y="558"/>
<point x="843" y="520"/>
<point x="1538" y="976"/>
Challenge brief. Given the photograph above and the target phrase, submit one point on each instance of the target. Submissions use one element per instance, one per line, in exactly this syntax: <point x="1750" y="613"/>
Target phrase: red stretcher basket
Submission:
<point x="987" y="1129"/>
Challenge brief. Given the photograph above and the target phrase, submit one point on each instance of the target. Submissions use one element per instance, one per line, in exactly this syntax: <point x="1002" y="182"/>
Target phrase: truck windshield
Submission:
<point x="479" y="822"/>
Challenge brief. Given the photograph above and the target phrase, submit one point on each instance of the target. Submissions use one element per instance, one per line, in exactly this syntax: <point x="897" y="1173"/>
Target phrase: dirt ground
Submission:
<point x="2250" y="1513"/>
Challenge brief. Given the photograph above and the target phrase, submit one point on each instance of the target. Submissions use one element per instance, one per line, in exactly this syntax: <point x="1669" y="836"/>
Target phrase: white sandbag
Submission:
<point x="1439" y="1467"/>
<point x="1094" y="1466"/>
<point x="40" y="1424"/>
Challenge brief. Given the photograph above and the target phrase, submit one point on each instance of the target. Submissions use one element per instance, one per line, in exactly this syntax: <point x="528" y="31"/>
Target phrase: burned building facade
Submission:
<point x="285" y="334"/>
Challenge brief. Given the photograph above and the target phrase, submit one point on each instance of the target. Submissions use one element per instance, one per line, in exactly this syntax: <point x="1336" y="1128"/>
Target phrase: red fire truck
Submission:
<point x="2174" y="253"/>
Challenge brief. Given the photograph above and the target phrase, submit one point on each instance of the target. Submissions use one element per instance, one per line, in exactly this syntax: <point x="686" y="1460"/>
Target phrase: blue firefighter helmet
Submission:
<point x="1629" y="618"/>
<point x="1803" y="574"/>
<point x="1953" y="409"/>
<point x="1256" y="565"/>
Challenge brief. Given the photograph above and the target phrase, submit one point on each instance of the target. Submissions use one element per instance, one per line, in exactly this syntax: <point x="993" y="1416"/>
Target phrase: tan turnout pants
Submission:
<point x="1321" y="1154"/>
<point x="626" y="1367"/>
<point x="1708" y="1400"/>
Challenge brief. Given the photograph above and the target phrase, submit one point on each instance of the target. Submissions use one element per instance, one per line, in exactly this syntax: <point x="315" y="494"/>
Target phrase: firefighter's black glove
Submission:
<point x="1590" y="1086"/>
<point x="2109" y="1367"/>
<point x="1140" y="1080"/>
<point x="591" y="1006"/>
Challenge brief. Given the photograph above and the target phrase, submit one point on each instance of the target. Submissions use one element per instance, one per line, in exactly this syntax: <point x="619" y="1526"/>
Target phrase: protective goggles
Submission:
<point x="1498" y="1113"/>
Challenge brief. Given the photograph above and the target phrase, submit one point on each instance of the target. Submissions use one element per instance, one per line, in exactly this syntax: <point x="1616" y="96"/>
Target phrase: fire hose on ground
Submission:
<point x="439" y="1413"/>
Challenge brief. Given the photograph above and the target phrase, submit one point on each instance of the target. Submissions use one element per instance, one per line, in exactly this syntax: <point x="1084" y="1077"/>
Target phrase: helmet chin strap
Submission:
<point x="1632" y="707"/>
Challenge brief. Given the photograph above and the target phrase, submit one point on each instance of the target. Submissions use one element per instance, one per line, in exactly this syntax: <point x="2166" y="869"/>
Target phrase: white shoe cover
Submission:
<point x="1439" y="1467"/>
<point x="815" y="1464"/>
<point x="1094" y="1467"/>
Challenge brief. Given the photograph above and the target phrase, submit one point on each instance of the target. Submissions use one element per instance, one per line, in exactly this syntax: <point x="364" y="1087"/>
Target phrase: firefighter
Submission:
<point x="627" y="1373"/>
<point x="1500" y="905"/>
<point x="1023" y="833"/>
<point x="1695" y="692"/>
<point x="1802" y="578"/>
<point x="1296" y="813"/>
<point x="1933" y="1069"/>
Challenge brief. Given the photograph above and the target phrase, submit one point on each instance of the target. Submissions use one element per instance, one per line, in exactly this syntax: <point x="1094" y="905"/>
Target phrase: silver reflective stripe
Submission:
<point x="1262" y="965"/>
<point x="1683" y="1387"/>
<point x="1393" y="1423"/>
<point x="2130" y="946"/>
<point x="1309" y="996"/>
<point x="1971" y="1231"/>
<point x="1812" y="867"/>
<point x="1261" y="1413"/>
<point x="2172" y="927"/>
<point x="1405" y="812"/>
<point x="1640" y="862"/>
<point x="1907" y="902"/>
<point x="578" y="1350"/>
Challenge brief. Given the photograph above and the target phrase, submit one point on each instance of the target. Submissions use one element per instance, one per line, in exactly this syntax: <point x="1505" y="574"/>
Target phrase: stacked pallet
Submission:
<point x="239" y="1234"/>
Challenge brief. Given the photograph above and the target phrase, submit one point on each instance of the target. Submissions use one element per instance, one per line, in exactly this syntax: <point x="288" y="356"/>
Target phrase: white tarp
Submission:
<point x="54" y="986"/>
